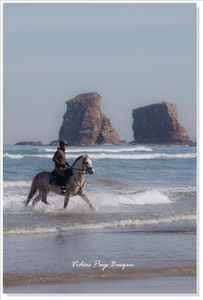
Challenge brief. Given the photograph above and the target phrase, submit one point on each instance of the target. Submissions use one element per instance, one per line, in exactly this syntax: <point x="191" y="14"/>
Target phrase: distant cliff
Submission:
<point x="158" y="124"/>
<point x="85" y="124"/>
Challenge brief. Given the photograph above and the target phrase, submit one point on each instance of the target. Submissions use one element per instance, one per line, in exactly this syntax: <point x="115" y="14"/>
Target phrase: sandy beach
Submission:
<point x="104" y="283"/>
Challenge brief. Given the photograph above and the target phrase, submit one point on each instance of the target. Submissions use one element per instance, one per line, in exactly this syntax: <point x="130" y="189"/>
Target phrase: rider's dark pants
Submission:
<point x="61" y="176"/>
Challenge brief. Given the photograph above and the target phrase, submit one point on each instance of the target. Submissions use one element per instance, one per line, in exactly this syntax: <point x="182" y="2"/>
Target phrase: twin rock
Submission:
<point x="85" y="124"/>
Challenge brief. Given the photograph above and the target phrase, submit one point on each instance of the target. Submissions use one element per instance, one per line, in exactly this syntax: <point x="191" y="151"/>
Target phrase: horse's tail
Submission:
<point x="32" y="192"/>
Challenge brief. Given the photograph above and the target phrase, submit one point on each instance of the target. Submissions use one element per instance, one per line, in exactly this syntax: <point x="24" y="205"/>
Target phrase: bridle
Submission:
<point x="81" y="171"/>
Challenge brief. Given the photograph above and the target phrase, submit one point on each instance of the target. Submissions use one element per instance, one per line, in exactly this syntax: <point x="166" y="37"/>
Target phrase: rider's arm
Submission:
<point x="67" y="164"/>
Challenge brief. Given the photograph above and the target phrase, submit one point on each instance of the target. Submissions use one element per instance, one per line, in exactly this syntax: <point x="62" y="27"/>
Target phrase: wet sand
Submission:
<point x="68" y="277"/>
<point x="148" y="280"/>
<point x="152" y="285"/>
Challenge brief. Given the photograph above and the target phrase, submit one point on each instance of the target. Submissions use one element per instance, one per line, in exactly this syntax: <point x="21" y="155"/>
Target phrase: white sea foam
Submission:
<point x="13" y="184"/>
<point x="107" y="150"/>
<point x="102" y="225"/>
<point x="104" y="155"/>
<point x="27" y="183"/>
<point x="14" y="156"/>
<point x="102" y="201"/>
<point x="146" y="197"/>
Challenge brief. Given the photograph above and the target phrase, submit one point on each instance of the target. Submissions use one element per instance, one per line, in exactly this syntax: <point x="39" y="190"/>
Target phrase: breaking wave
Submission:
<point x="104" y="155"/>
<point x="144" y="197"/>
<point x="103" y="225"/>
<point x="13" y="184"/>
<point x="120" y="149"/>
<point x="107" y="182"/>
<point x="16" y="192"/>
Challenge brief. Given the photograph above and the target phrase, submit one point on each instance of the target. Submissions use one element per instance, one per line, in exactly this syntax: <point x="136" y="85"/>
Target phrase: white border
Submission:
<point x="199" y="148"/>
<point x="199" y="128"/>
<point x="198" y="2"/>
<point x="1" y="149"/>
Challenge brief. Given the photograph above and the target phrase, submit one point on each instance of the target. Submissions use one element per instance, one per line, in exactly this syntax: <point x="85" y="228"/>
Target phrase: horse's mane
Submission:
<point x="78" y="159"/>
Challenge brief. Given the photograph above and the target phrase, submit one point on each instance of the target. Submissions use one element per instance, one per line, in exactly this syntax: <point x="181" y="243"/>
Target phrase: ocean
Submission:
<point x="144" y="224"/>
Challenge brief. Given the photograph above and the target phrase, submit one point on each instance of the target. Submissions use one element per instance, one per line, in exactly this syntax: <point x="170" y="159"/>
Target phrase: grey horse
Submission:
<point x="74" y="185"/>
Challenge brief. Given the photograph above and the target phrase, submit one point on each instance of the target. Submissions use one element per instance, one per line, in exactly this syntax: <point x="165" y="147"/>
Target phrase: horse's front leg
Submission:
<point x="84" y="197"/>
<point x="66" y="199"/>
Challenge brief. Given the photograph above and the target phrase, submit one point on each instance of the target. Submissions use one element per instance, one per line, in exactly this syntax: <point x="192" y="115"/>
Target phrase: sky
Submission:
<point x="131" y="54"/>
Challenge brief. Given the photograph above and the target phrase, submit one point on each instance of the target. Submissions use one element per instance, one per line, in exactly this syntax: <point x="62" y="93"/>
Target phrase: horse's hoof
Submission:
<point x="25" y="203"/>
<point x="46" y="202"/>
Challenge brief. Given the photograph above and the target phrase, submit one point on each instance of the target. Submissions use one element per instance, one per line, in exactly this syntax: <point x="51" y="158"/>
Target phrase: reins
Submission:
<point x="80" y="186"/>
<point x="82" y="171"/>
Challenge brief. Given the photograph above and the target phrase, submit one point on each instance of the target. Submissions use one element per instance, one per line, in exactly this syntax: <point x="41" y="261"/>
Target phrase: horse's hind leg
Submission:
<point x="37" y="199"/>
<point x="44" y="199"/>
<point x="26" y="202"/>
<point x="33" y="190"/>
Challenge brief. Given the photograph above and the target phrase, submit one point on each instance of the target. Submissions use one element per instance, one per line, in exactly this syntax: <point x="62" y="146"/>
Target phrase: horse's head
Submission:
<point x="87" y="164"/>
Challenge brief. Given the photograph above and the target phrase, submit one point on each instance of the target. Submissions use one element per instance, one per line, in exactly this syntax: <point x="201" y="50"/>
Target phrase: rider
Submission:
<point x="61" y="166"/>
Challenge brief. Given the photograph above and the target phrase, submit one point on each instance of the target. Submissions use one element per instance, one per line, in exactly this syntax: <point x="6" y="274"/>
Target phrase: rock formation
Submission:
<point x="32" y="143"/>
<point x="85" y="124"/>
<point x="158" y="124"/>
<point x="54" y="143"/>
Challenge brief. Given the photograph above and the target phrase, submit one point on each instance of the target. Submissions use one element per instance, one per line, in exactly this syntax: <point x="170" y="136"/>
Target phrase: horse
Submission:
<point x="74" y="184"/>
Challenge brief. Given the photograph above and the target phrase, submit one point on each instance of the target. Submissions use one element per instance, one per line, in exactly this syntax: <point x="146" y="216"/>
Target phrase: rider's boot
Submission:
<point x="63" y="190"/>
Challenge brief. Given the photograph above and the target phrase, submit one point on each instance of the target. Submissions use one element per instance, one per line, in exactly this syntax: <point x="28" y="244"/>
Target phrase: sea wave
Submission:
<point x="16" y="191"/>
<point x="104" y="155"/>
<point x="13" y="156"/>
<point x="13" y="184"/>
<point x="100" y="199"/>
<point x="102" y="149"/>
<point x="143" y="197"/>
<point x="102" y="225"/>
<point x="103" y="202"/>
<point x="109" y="182"/>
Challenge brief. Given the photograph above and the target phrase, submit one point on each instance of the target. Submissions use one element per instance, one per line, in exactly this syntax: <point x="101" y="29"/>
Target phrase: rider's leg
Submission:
<point x="61" y="180"/>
